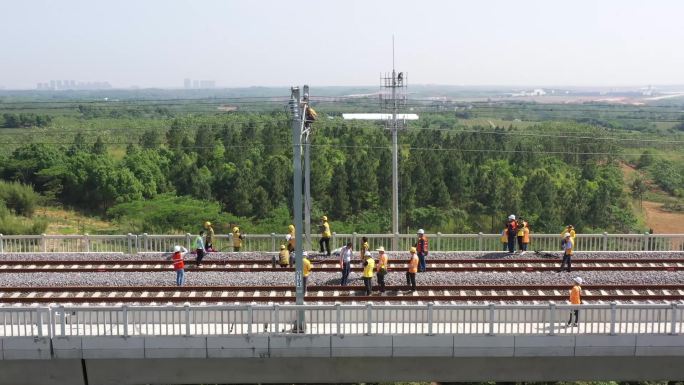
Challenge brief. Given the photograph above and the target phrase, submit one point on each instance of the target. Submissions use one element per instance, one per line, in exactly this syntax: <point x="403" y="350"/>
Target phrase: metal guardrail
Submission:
<point x="606" y="319"/>
<point x="132" y="243"/>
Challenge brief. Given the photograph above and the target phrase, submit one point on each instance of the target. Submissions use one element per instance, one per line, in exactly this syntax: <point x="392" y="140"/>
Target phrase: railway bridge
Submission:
<point x="339" y="343"/>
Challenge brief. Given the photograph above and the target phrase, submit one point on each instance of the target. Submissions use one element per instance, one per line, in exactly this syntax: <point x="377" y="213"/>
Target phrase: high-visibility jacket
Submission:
<point x="504" y="236"/>
<point x="237" y="239"/>
<point x="422" y="245"/>
<point x="326" y="230"/>
<point x="567" y="247"/>
<point x="306" y="267"/>
<point x="284" y="257"/>
<point x="413" y="264"/>
<point x="291" y="241"/>
<point x="210" y="235"/>
<point x="526" y="235"/>
<point x="572" y="234"/>
<point x="521" y="231"/>
<point x="382" y="262"/>
<point x="575" y="293"/>
<point x="178" y="262"/>
<point x="364" y="248"/>
<point x="368" y="268"/>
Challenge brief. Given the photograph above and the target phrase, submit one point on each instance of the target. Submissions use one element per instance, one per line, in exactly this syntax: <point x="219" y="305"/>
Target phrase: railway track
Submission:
<point x="332" y="294"/>
<point x="331" y="265"/>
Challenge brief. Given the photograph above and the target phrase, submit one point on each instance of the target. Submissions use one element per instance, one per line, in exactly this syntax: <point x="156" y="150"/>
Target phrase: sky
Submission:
<point x="158" y="43"/>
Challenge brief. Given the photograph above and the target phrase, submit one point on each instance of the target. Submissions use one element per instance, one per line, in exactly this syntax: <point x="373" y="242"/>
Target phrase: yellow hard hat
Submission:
<point x="412" y="250"/>
<point x="207" y="224"/>
<point x="324" y="218"/>
<point x="291" y="227"/>
<point x="282" y="247"/>
<point x="236" y="229"/>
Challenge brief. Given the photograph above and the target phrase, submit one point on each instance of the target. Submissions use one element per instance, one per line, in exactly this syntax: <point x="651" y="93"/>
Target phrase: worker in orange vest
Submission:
<point x="575" y="299"/>
<point x="412" y="270"/>
<point x="381" y="267"/>
<point x="179" y="264"/>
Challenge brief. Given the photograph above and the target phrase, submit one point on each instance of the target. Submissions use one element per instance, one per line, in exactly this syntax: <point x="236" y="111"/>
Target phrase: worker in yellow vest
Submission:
<point x="368" y="270"/>
<point x="306" y="269"/>
<point x="237" y="239"/>
<point x="412" y="269"/>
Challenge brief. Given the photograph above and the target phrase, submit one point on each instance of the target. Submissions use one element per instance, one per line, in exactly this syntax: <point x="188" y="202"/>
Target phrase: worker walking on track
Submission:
<point x="199" y="248"/>
<point x="345" y="262"/>
<point x="325" y="236"/>
<point x="209" y="239"/>
<point x="524" y="237"/>
<point x="237" y="239"/>
<point x="422" y="250"/>
<point x="512" y="231"/>
<point x="575" y="299"/>
<point x="381" y="268"/>
<point x="306" y="269"/>
<point x="368" y="270"/>
<point x="179" y="263"/>
<point x="412" y="270"/>
<point x="567" y="252"/>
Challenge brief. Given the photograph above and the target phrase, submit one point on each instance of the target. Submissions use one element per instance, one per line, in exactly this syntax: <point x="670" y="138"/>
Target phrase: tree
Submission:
<point x="99" y="147"/>
<point x="638" y="188"/>
<point x="151" y="139"/>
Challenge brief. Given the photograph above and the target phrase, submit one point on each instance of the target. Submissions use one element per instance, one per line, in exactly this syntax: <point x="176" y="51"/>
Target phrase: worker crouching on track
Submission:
<point x="179" y="263"/>
<point x="381" y="267"/>
<point x="306" y="269"/>
<point x="283" y="257"/>
<point x="575" y="299"/>
<point x="368" y="270"/>
<point x="412" y="270"/>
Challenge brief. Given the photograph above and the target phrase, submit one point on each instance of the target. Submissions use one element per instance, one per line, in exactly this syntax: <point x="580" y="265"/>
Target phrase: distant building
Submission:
<point x="204" y="84"/>
<point x="187" y="84"/>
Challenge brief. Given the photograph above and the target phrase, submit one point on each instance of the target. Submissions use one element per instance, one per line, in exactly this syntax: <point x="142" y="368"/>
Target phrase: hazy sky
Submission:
<point x="279" y="43"/>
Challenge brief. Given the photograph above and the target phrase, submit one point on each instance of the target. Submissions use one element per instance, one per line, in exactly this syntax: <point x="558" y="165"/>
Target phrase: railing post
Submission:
<point x="62" y="323"/>
<point x="333" y="237"/>
<point x="145" y="242"/>
<point x="647" y="240"/>
<point x="613" y="317"/>
<point x="439" y="241"/>
<point x="552" y="319"/>
<point x="187" y="319"/>
<point x="369" y="318"/>
<point x="396" y="241"/>
<point x="43" y="245"/>
<point x="273" y="243"/>
<point x="354" y="236"/>
<point x="129" y="238"/>
<point x="673" y="320"/>
<point x="480" y="242"/>
<point x="86" y="242"/>
<point x="276" y="317"/>
<point x="39" y="322"/>
<point x="250" y="314"/>
<point x="125" y="320"/>
<point x="491" y="319"/>
<point x="338" y="317"/>
<point x="604" y="245"/>
<point x="2" y="244"/>
<point x="429" y="317"/>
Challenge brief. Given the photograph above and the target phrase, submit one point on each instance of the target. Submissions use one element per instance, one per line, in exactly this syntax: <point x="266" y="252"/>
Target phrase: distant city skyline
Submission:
<point x="158" y="44"/>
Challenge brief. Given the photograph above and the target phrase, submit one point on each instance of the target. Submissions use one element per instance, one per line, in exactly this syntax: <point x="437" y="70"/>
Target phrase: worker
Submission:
<point x="291" y="239"/>
<point x="524" y="237"/>
<point x="237" y="239"/>
<point x="325" y="235"/>
<point x="283" y="257"/>
<point x="422" y="250"/>
<point x="209" y="239"/>
<point x="381" y="268"/>
<point x="179" y="263"/>
<point x="504" y="239"/>
<point x="569" y="229"/>
<point x="345" y="262"/>
<point x="512" y="227"/>
<point x="368" y="270"/>
<point x="306" y="266"/>
<point x="364" y="248"/>
<point x="575" y="299"/>
<point x="567" y="252"/>
<point x="199" y="248"/>
<point x="412" y="270"/>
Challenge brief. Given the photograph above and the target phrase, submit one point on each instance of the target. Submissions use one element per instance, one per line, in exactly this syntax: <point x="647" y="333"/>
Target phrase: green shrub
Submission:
<point x="19" y="198"/>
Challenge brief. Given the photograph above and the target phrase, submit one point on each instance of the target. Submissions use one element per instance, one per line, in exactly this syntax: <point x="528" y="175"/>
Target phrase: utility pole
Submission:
<point x="297" y="119"/>
<point x="306" y="132"/>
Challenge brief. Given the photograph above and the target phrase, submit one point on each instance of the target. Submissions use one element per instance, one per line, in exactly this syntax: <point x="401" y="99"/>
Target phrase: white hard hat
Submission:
<point x="305" y="254"/>
<point x="176" y="249"/>
<point x="421" y="231"/>
<point x="578" y="280"/>
<point x="512" y="216"/>
<point x="380" y="249"/>
<point x="288" y="237"/>
<point x="367" y="254"/>
<point x="566" y="235"/>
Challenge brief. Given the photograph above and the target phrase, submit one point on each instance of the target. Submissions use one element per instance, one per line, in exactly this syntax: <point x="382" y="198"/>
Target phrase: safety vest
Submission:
<point x="364" y="248"/>
<point x="307" y="267"/>
<point x="178" y="262"/>
<point x="368" y="269"/>
<point x="292" y="240"/>
<point x="413" y="264"/>
<point x="237" y="239"/>
<point x="382" y="262"/>
<point x="326" y="230"/>
<point x="422" y="245"/>
<point x="526" y="235"/>
<point x="575" y="295"/>
<point x="284" y="257"/>
<point x="567" y="248"/>
<point x="504" y="236"/>
<point x="210" y="234"/>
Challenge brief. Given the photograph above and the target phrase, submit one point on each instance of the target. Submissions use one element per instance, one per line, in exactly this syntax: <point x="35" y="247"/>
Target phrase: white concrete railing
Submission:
<point x="132" y="243"/>
<point x="247" y="320"/>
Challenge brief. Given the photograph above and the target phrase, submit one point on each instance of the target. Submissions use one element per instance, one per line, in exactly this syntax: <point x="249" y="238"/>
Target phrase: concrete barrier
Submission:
<point x="299" y="346"/>
<point x="484" y="346"/>
<point x="360" y="346"/>
<point x="237" y="347"/>
<point x="600" y="345"/>
<point x="659" y="345"/>
<point x="113" y="347"/>
<point x="423" y="346"/>
<point x="544" y="346"/>
<point x="26" y="348"/>
<point x="67" y="347"/>
<point x="176" y="347"/>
